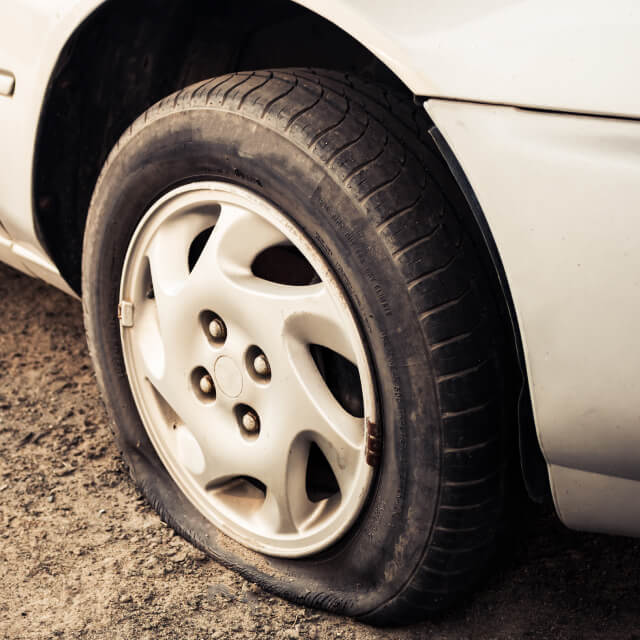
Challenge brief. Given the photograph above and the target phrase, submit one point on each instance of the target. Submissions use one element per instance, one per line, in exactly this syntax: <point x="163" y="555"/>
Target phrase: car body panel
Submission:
<point x="557" y="190"/>
<point x="561" y="194"/>
<point x="32" y="34"/>
<point x="568" y="55"/>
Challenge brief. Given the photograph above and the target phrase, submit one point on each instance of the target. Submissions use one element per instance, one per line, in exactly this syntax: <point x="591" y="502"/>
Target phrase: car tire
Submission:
<point x="350" y="164"/>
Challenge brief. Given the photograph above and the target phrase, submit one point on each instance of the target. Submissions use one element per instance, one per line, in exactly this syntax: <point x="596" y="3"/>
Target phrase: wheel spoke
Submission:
<point x="227" y="455"/>
<point x="286" y="505"/>
<point x="172" y="386"/>
<point x="312" y="318"/>
<point x="315" y="407"/>
<point x="177" y="311"/>
<point x="305" y="407"/>
<point x="342" y="460"/>
<point x="239" y="236"/>
<point x="168" y="251"/>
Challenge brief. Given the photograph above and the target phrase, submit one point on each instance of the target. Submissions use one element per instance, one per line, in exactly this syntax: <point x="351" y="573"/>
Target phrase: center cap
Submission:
<point x="228" y="376"/>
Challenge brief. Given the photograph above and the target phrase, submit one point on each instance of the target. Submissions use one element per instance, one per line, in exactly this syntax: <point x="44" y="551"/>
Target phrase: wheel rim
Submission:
<point x="248" y="369"/>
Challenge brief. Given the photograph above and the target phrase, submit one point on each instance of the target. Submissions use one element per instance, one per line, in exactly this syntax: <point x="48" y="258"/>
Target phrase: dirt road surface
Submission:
<point x="83" y="556"/>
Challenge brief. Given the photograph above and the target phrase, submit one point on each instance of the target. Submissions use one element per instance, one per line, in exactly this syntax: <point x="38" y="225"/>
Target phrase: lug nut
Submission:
<point x="250" y="421"/>
<point x="206" y="385"/>
<point x="217" y="330"/>
<point x="261" y="365"/>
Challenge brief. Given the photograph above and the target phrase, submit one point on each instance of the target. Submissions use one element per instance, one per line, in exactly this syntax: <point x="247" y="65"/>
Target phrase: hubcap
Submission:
<point x="248" y="368"/>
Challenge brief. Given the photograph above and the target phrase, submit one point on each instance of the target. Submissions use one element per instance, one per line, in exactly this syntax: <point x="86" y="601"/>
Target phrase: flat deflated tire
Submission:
<point x="293" y="334"/>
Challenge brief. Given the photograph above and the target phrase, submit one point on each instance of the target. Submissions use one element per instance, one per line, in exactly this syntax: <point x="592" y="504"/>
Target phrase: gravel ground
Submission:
<point x="83" y="556"/>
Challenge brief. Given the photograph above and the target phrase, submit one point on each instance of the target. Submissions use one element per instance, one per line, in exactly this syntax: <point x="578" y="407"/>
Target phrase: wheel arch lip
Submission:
<point x="532" y="461"/>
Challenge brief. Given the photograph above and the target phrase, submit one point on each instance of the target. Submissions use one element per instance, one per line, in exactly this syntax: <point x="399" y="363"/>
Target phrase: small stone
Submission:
<point x="215" y="590"/>
<point x="125" y="598"/>
<point x="51" y="498"/>
<point x="101" y="511"/>
<point x="180" y="556"/>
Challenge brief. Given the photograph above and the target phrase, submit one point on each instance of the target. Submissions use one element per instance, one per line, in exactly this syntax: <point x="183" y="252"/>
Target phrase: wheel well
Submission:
<point x="128" y="55"/>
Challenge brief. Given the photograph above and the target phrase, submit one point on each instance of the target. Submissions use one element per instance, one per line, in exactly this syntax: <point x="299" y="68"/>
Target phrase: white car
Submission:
<point x="347" y="267"/>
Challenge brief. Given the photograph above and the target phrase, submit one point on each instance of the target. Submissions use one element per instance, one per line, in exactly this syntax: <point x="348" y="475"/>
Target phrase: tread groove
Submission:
<point x="300" y="113"/>
<point x="246" y="95"/>
<point x="232" y="87"/>
<point x="384" y="185"/>
<point x="364" y="165"/>
<point x="470" y="483"/>
<point x="460" y="550"/>
<point x="430" y="274"/>
<point x="385" y="223"/>
<point x="215" y="86"/>
<point x="328" y="129"/>
<point x="466" y="507"/>
<point x="461" y="374"/>
<point x="465" y="412"/>
<point x="346" y="146"/>
<point x="276" y="99"/>
<point x="471" y="447"/>
<point x="398" y="253"/>
<point x="453" y="340"/>
<point x="444" y="305"/>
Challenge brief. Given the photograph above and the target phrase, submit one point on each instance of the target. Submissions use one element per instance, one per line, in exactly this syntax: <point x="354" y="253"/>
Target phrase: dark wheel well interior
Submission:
<point x="128" y="55"/>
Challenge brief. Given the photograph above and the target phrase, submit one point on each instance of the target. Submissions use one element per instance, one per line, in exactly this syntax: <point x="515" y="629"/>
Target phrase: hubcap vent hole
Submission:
<point x="284" y="264"/>
<point x="197" y="245"/>
<point x="342" y="378"/>
<point x="321" y="482"/>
